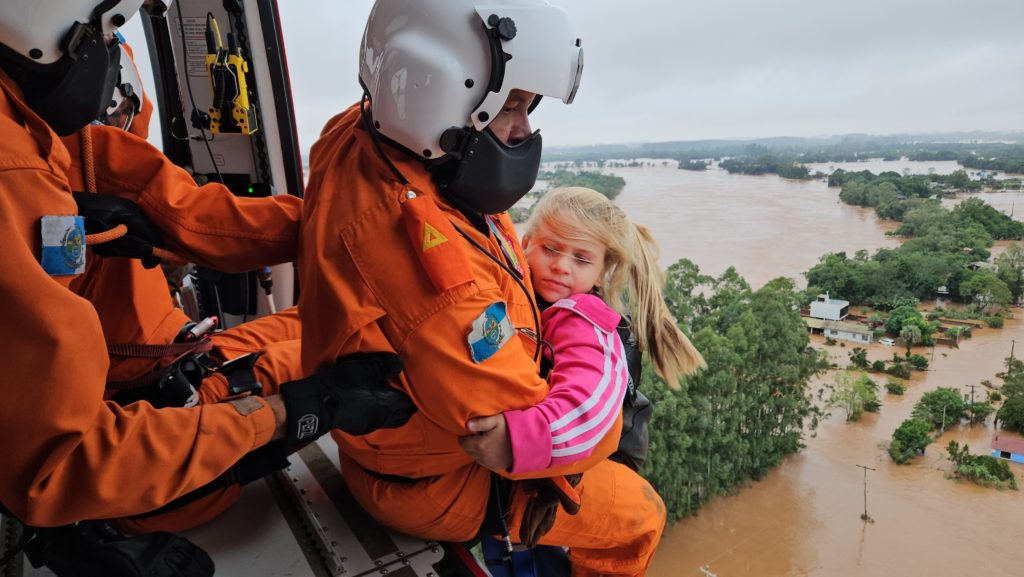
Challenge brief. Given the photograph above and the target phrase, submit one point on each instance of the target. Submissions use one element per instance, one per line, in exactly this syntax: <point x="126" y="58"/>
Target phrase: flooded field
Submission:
<point x="804" y="517"/>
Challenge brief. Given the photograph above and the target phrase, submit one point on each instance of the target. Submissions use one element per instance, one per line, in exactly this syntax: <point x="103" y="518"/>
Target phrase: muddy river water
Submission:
<point x="804" y="517"/>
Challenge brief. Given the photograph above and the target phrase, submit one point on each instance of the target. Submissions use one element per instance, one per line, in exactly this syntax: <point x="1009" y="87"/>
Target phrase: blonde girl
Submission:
<point x="590" y="267"/>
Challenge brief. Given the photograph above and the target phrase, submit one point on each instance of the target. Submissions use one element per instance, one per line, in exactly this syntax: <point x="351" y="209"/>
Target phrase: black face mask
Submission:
<point x="80" y="86"/>
<point x="485" y="174"/>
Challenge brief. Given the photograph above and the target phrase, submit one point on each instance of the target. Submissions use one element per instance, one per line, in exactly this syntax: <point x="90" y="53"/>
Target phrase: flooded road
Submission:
<point x="804" y="517"/>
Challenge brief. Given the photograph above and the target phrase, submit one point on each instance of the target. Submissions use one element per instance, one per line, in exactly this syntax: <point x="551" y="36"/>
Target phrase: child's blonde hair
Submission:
<point x="632" y="281"/>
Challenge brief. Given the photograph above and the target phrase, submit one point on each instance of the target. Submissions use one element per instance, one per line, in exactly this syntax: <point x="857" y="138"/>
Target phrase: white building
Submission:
<point x="829" y="308"/>
<point x="840" y="330"/>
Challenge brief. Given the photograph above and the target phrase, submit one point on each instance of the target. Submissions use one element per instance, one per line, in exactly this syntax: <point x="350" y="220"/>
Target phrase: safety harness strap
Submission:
<point x="177" y="350"/>
<point x="134" y="350"/>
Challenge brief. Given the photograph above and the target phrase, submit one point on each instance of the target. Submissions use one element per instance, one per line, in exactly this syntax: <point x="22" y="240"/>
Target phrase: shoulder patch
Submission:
<point x="63" y="245"/>
<point x="489" y="332"/>
<point x="431" y="232"/>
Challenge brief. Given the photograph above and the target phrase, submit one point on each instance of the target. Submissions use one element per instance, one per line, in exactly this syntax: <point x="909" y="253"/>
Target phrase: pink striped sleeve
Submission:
<point x="588" y="381"/>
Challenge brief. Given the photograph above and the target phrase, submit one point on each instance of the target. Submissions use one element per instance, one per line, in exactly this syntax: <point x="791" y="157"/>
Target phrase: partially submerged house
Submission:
<point x="827" y="317"/>
<point x="829" y="308"/>
<point x="1008" y="446"/>
<point x="840" y="330"/>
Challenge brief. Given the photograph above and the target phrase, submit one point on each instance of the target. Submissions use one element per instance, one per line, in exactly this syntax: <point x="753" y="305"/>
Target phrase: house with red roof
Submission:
<point x="1008" y="446"/>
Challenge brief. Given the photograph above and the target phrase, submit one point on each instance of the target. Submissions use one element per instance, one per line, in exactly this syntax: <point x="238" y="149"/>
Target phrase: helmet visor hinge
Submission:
<point x="453" y="141"/>
<point x="76" y="41"/>
<point x="499" y="57"/>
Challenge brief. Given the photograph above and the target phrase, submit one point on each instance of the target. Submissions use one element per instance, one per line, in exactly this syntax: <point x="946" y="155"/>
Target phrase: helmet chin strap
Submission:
<point x="367" y="116"/>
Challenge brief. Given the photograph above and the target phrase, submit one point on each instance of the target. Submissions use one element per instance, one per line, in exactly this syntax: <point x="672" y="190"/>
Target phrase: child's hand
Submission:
<point x="491" y="446"/>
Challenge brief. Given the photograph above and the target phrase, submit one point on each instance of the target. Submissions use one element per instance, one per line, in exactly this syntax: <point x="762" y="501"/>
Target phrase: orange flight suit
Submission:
<point x="371" y="283"/>
<point x="69" y="455"/>
<point x="205" y="224"/>
<point x="213" y="227"/>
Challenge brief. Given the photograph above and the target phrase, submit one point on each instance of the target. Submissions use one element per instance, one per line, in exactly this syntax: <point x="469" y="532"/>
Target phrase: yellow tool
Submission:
<point x="227" y="70"/>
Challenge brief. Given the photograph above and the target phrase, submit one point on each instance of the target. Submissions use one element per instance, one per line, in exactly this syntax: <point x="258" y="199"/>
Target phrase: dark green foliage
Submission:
<point x="854" y="393"/>
<point x="986" y="289"/>
<point x="1010" y="270"/>
<point x="750" y="407"/>
<point x="979" y="411"/>
<point x="982" y="469"/>
<point x="694" y="165"/>
<point x="609" y="185"/>
<point x="859" y="357"/>
<point x="994" y="321"/>
<point x="909" y="440"/>
<point x="899" y="370"/>
<point x="895" y="387"/>
<point x="847" y="148"/>
<point x="878" y="366"/>
<point x="920" y="362"/>
<point x="940" y="247"/>
<point x="768" y="164"/>
<point x="997" y="224"/>
<point x="1011" y="414"/>
<point x="941" y="408"/>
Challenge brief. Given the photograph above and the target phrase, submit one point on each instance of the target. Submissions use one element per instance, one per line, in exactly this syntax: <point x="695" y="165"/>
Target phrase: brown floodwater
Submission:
<point x="804" y="517"/>
<point x="764" y="226"/>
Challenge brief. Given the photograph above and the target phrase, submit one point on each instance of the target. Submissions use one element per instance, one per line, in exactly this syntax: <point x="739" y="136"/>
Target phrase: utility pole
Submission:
<point x="865" y="516"/>
<point x="972" y="402"/>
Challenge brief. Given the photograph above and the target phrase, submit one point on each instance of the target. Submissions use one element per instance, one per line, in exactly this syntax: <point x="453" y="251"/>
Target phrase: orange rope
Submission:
<point x="88" y="164"/>
<point x="89" y="176"/>
<point x="121" y="230"/>
<point x="106" y="236"/>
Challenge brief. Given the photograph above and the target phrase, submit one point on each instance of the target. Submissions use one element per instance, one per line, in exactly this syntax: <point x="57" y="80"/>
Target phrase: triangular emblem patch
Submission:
<point x="432" y="237"/>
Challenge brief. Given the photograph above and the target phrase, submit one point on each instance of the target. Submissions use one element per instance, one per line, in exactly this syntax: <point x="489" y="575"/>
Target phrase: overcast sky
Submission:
<point x="676" y="70"/>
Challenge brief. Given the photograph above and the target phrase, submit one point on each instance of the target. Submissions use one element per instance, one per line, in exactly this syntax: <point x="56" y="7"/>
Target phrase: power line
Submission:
<point x="865" y="516"/>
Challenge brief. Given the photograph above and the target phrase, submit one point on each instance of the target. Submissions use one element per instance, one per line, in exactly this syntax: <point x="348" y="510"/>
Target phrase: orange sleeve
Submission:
<point x="67" y="454"/>
<point x="450" y="388"/>
<point x="206" y="224"/>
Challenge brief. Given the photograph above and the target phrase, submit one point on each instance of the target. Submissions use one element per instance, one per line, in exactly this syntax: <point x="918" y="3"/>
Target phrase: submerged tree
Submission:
<point x="982" y="469"/>
<point x="941" y="408"/>
<point x="854" y="392"/>
<point x="738" y="418"/>
<point x="909" y="440"/>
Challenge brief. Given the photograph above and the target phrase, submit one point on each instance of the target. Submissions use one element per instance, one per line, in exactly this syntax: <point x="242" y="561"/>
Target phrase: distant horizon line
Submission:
<point x="1017" y="133"/>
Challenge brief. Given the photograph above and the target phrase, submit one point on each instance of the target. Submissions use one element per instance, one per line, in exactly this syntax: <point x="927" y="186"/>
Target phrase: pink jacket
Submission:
<point x="588" y="381"/>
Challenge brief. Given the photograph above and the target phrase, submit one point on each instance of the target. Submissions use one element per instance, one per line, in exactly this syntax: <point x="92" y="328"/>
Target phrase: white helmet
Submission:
<point x="431" y="65"/>
<point x="126" y="101"/>
<point x="37" y="29"/>
<point x="63" y="55"/>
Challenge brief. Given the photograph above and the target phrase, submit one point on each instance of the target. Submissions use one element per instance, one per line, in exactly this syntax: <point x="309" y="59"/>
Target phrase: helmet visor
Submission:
<point x="543" y="56"/>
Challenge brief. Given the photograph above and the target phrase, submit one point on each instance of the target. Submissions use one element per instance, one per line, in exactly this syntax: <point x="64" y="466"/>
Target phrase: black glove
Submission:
<point x="547" y="495"/>
<point x="103" y="212"/>
<point x="352" y="395"/>
<point x="96" y="549"/>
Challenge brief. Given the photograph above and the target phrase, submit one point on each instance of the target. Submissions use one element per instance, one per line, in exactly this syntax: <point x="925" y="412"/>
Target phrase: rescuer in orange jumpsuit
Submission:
<point x="406" y="246"/>
<point x="208" y="224"/>
<point x="69" y="455"/>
